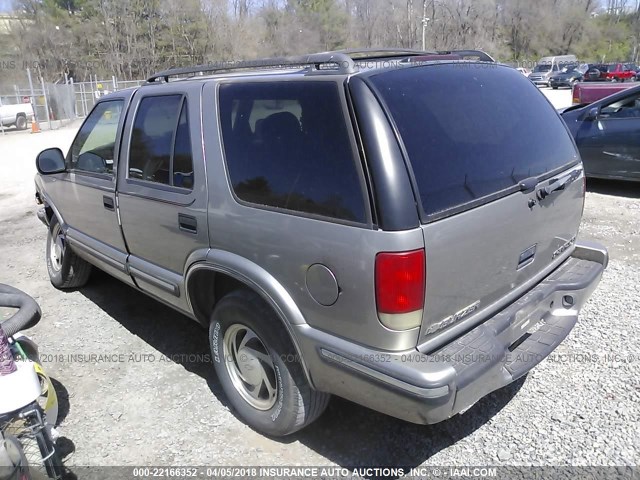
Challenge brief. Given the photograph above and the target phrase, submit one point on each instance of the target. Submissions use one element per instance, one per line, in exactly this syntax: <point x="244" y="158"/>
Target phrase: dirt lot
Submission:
<point x="160" y="404"/>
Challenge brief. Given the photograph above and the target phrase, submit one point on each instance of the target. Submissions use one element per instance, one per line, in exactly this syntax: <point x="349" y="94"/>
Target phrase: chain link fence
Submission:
<point x="56" y="105"/>
<point x="87" y="93"/>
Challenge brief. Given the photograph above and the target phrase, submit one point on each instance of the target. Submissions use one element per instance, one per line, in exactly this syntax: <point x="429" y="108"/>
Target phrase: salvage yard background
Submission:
<point x="151" y="402"/>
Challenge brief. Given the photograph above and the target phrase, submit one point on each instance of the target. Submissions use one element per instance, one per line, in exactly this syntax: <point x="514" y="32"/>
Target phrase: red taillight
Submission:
<point x="400" y="282"/>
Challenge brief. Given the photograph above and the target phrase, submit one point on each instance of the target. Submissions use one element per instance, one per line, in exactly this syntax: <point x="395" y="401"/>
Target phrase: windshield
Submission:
<point x="569" y="69"/>
<point x="465" y="137"/>
<point x="542" y="68"/>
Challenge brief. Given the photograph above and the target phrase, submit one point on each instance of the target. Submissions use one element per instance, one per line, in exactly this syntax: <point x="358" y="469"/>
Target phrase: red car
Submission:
<point x="615" y="72"/>
<point x="620" y="72"/>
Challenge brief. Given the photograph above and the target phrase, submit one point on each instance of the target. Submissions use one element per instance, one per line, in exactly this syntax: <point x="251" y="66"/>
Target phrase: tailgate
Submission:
<point x="586" y="92"/>
<point x="498" y="180"/>
<point x="483" y="259"/>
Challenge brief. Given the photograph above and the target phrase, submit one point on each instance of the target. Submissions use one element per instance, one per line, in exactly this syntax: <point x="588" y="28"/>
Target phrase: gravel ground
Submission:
<point x="155" y="406"/>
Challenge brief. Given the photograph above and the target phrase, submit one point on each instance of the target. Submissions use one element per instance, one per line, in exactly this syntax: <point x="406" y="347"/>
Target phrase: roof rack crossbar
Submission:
<point x="342" y="64"/>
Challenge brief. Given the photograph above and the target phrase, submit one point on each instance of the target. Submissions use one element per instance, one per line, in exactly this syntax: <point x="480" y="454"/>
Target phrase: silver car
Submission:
<point x="400" y="235"/>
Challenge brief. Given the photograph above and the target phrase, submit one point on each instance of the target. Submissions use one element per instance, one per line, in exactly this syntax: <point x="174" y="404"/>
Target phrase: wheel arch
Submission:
<point x="50" y="210"/>
<point x="222" y="272"/>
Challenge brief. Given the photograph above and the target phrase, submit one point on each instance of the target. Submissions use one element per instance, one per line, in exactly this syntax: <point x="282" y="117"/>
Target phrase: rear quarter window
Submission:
<point x="287" y="146"/>
<point x="472" y="130"/>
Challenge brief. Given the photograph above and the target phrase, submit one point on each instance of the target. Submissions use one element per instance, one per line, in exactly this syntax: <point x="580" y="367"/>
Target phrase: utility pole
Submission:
<point x="425" y="20"/>
<point x="33" y="97"/>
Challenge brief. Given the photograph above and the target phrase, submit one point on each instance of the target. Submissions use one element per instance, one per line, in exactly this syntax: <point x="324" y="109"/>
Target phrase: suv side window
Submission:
<point x="93" y="148"/>
<point x="287" y="146"/>
<point x="160" y="149"/>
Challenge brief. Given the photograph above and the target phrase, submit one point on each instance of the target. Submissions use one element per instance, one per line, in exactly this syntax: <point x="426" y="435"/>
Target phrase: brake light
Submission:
<point x="400" y="279"/>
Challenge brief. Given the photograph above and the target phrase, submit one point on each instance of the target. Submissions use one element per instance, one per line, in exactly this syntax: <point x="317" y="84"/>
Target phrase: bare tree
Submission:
<point x="132" y="39"/>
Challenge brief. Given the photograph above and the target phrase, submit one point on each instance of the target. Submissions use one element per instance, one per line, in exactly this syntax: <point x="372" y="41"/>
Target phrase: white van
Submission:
<point x="547" y="66"/>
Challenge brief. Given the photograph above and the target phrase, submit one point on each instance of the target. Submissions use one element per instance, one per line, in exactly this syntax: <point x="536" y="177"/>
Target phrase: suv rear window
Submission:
<point x="472" y="130"/>
<point x="287" y="146"/>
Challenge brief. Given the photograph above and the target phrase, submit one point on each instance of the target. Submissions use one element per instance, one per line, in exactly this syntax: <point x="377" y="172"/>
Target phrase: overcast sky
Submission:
<point x="5" y="5"/>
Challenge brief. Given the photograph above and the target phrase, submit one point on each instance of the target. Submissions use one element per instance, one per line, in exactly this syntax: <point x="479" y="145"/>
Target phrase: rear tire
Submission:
<point x="66" y="269"/>
<point x="258" y="367"/>
<point x="21" y="122"/>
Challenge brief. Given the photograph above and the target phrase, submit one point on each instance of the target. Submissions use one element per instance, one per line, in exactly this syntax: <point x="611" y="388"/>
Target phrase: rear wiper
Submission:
<point x="557" y="184"/>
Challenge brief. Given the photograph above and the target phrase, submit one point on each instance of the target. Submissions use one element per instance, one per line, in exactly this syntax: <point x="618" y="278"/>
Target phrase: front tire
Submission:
<point x="258" y="367"/>
<point x="66" y="269"/>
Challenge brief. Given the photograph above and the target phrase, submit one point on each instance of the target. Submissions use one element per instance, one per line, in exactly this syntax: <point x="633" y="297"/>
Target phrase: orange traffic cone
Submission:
<point x="35" y="128"/>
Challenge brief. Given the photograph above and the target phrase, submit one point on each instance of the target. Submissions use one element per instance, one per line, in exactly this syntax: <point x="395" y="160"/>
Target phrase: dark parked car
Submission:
<point x="596" y="72"/>
<point x="568" y="77"/>
<point x="608" y="135"/>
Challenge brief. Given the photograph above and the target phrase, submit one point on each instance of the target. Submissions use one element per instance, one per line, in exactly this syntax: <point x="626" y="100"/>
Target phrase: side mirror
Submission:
<point x="50" y="161"/>
<point x="593" y="113"/>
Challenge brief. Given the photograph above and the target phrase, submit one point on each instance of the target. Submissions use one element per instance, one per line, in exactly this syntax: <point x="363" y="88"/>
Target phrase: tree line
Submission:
<point x="131" y="39"/>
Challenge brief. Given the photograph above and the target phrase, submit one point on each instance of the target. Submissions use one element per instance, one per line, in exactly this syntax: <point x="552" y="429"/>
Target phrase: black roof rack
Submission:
<point x="483" y="56"/>
<point x="370" y="53"/>
<point x="329" y="62"/>
<point x="340" y="62"/>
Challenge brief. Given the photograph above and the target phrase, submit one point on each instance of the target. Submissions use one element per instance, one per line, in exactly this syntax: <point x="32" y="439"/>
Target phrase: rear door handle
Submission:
<point x="108" y="203"/>
<point x="187" y="223"/>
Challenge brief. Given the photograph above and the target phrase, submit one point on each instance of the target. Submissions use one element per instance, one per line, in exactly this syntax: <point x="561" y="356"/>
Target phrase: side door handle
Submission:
<point x="108" y="203"/>
<point x="187" y="223"/>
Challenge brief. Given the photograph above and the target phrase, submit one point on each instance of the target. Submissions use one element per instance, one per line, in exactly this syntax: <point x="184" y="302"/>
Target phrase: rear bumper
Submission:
<point x="429" y="388"/>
